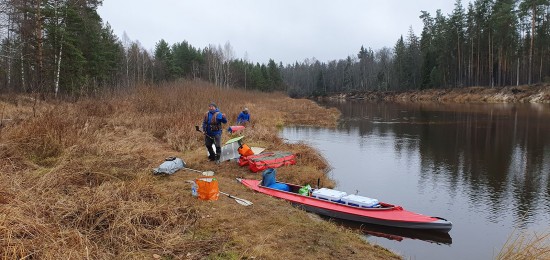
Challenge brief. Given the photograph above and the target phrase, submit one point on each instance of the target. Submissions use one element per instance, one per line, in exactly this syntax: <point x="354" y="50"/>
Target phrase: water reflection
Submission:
<point x="485" y="167"/>
<point x="395" y="234"/>
<point x="498" y="150"/>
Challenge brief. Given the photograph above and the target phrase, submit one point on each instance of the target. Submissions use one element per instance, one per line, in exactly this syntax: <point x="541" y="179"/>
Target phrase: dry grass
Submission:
<point x="526" y="247"/>
<point x="76" y="182"/>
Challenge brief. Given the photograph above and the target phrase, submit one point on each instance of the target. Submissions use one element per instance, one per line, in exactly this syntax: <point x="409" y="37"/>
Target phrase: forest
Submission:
<point x="64" y="48"/>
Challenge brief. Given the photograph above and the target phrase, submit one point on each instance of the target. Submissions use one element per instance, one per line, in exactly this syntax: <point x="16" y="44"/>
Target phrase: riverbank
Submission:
<point x="515" y="94"/>
<point x="76" y="180"/>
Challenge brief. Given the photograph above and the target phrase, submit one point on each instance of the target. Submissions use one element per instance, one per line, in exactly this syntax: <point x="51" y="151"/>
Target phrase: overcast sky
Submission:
<point x="283" y="30"/>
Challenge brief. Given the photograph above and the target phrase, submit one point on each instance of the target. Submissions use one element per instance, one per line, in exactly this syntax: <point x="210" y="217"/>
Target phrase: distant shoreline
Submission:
<point x="511" y="94"/>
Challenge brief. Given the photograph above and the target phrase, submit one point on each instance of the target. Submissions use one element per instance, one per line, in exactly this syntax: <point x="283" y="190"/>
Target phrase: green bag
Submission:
<point x="305" y="190"/>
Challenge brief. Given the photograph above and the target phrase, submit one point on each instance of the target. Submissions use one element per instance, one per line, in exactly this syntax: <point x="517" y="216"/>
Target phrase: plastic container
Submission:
<point x="328" y="194"/>
<point x="207" y="188"/>
<point x="359" y="201"/>
<point x="194" y="190"/>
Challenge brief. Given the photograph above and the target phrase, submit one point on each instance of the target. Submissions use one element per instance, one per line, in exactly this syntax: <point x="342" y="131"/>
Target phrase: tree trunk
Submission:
<point x="478" y="62"/>
<point x="58" y="58"/>
<point x="39" y="40"/>
<point x="491" y="61"/>
<point x="470" y="63"/>
<point x="9" y="58"/>
<point x="459" y="76"/>
<point x="58" y="66"/>
<point x="23" y="86"/>
<point x="517" y="72"/>
<point x="540" y="69"/>
<point x="534" y="8"/>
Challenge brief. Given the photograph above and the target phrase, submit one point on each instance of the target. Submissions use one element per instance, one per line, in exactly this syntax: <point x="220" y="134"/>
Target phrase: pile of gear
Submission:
<point x="206" y="186"/>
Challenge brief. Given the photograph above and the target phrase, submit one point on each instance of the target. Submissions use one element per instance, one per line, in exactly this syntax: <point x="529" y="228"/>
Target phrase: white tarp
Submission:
<point x="230" y="151"/>
<point x="170" y="166"/>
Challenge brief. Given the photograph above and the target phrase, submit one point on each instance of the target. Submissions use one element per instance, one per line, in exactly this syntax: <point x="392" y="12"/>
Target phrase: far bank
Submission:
<point x="511" y="94"/>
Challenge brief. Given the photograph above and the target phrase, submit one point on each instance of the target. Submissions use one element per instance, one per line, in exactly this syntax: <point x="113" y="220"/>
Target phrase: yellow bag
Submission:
<point x="244" y="150"/>
<point x="207" y="188"/>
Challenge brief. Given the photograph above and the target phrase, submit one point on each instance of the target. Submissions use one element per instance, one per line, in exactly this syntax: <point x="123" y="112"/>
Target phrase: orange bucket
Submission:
<point x="207" y="188"/>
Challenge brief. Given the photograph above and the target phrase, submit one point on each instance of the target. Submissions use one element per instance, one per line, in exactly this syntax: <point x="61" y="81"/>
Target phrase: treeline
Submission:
<point x="214" y="63"/>
<point x="63" y="47"/>
<point x="489" y="43"/>
<point x="57" y="47"/>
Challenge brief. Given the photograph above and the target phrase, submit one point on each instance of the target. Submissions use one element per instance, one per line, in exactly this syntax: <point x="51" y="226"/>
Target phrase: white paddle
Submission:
<point x="206" y="173"/>
<point x="238" y="200"/>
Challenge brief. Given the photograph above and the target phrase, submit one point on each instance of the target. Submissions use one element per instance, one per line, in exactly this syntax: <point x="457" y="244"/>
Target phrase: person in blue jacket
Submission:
<point x="244" y="117"/>
<point x="212" y="128"/>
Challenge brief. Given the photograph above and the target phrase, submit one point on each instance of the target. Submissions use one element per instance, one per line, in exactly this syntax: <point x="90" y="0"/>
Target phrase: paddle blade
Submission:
<point x="238" y="200"/>
<point x="234" y="139"/>
<point x="208" y="173"/>
<point x="243" y="202"/>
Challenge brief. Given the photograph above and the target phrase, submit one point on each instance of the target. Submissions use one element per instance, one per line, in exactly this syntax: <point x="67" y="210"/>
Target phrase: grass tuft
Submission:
<point x="526" y="247"/>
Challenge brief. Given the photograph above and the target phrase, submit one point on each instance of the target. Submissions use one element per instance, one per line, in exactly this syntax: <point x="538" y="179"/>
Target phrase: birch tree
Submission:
<point x="227" y="56"/>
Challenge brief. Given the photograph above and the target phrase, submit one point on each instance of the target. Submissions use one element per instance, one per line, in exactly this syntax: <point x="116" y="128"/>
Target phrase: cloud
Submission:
<point x="282" y="30"/>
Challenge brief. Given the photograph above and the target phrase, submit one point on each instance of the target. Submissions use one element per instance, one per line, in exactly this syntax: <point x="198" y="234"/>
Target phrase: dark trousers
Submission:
<point x="216" y="140"/>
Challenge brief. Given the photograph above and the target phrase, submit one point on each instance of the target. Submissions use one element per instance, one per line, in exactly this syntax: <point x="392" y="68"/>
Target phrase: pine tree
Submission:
<point x="164" y="68"/>
<point x="534" y="8"/>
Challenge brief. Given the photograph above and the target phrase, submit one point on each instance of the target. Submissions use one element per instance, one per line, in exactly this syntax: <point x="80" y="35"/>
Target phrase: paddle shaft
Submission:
<point x="196" y="170"/>
<point x="235" y="198"/>
<point x="198" y="129"/>
<point x="318" y="182"/>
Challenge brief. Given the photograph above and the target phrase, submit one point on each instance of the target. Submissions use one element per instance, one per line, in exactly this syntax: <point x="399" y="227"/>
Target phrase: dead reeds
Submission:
<point x="525" y="246"/>
<point x="76" y="182"/>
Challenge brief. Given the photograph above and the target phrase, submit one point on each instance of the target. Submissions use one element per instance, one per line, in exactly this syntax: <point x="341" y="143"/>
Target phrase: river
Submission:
<point x="485" y="167"/>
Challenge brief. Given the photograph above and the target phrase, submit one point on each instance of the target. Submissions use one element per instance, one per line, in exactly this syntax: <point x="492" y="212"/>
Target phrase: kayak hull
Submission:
<point x="437" y="224"/>
<point x="387" y="215"/>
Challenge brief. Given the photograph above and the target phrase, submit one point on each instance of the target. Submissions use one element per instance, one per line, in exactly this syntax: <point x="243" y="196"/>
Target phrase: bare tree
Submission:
<point x="228" y="56"/>
<point x="6" y="28"/>
<point x="60" y="23"/>
<point x="214" y="58"/>
<point x="126" y="44"/>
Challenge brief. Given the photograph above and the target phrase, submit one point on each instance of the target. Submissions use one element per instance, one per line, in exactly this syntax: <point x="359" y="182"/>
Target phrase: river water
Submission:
<point x="485" y="167"/>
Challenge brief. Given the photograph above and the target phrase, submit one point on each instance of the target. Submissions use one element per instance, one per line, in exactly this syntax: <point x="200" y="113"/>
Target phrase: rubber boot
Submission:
<point x="211" y="154"/>
<point x="218" y="153"/>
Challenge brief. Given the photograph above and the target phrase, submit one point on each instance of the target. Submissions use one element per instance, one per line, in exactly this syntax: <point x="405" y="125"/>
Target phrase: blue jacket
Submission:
<point x="212" y="123"/>
<point x="243" y="118"/>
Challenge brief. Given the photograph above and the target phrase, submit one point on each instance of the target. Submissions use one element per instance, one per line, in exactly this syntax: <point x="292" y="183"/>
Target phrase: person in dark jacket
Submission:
<point x="244" y="117"/>
<point x="212" y="128"/>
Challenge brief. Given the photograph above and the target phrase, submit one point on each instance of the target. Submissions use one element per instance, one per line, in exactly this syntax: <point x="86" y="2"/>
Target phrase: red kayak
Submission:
<point x="381" y="214"/>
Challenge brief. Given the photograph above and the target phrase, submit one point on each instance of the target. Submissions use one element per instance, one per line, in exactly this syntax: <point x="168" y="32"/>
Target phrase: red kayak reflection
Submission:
<point x="396" y="234"/>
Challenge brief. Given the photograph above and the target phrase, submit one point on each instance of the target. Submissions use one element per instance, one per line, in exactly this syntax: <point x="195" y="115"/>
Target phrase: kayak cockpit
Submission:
<point x="297" y="190"/>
